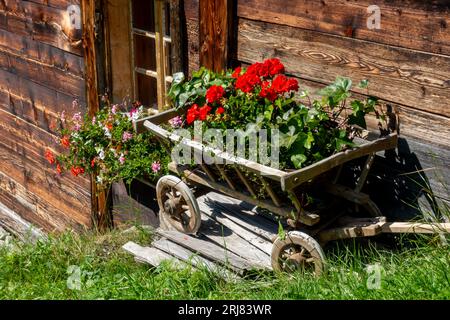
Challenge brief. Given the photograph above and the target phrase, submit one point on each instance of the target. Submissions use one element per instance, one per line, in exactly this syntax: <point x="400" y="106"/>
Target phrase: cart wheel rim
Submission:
<point x="177" y="204"/>
<point x="298" y="251"/>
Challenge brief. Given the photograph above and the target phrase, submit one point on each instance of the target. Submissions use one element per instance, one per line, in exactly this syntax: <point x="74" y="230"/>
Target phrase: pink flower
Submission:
<point x="77" y="127"/>
<point x="176" y="122"/>
<point x="126" y="136"/>
<point x="75" y="104"/>
<point x="121" y="159"/>
<point x="77" y="117"/>
<point x="63" y="116"/>
<point x="114" y="108"/>
<point x="156" y="166"/>
<point x="94" y="119"/>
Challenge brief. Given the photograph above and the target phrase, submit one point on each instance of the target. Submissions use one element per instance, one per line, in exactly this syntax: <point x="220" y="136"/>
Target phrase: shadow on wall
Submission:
<point x="401" y="187"/>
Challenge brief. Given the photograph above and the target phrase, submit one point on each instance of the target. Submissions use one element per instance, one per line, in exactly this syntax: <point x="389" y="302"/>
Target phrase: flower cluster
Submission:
<point x="262" y="95"/>
<point x="263" y="80"/>
<point x="106" y="146"/>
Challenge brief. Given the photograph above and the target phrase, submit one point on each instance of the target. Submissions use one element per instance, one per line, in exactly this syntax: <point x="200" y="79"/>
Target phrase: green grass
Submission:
<point x="419" y="270"/>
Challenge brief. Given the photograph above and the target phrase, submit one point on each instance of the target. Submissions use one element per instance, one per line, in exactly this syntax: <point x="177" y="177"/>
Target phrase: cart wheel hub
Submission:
<point x="170" y="206"/>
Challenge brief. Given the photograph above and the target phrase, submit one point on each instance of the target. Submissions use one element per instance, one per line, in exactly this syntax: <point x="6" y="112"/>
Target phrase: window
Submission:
<point x="140" y="48"/>
<point x="150" y="35"/>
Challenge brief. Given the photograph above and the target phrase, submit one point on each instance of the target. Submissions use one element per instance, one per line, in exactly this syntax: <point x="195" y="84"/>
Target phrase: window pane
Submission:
<point x="168" y="60"/>
<point x="166" y="18"/>
<point x="144" y="52"/>
<point x="143" y="15"/>
<point x="146" y="87"/>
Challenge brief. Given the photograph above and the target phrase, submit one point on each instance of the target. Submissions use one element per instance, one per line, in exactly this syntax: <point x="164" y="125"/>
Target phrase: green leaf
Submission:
<point x="309" y="140"/>
<point x="281" y="232"/>
<point x="298" y="159"/>
<point x="363" y="84"/>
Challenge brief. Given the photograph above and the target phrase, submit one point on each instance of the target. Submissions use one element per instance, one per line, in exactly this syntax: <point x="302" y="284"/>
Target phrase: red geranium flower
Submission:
<point x="220" y="110"/>
<point x="65" y="141"/>
<point x="192" y="114"/>
<point x="58" y="168"/>
<point x="292" y="85"/>
<point x="275" y="66"/>
<point x="76" y="171"/>
<point x="49" y="156"/>
<point x="267" y="91"/>
<point x="279" y="84"/>
<point x="236" y="73"/>
<point x="247" y="82"/>
<point x="203" y="112"/>
<point x="93" y="163"/>
<point x="214" y="93"/>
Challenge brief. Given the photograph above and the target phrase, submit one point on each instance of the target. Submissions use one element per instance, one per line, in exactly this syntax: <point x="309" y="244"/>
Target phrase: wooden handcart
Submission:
<point x="281" y="193"/>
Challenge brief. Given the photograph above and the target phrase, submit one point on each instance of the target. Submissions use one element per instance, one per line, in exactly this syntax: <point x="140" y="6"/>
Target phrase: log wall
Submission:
<point x="407" y="63"/>
<point x="41" y="74"/>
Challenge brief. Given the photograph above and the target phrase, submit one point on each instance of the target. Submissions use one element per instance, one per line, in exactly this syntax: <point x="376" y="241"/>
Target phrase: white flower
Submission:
<point x="107" y="132"/>
<point x="101" y="154"/>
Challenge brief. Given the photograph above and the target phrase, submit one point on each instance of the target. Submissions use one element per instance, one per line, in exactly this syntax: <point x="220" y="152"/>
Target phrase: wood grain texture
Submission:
<point x="46" y="24"/>
<point x="118" y="27"/>
<point x="420" y="25"/>
<point x="44" y="74"/>
<point x="411" y="78"/>
<point x="33" y="102"/>
<point x="215" y="33"/>
<point x="417" y="124"/>
<point x="46" y="54"/>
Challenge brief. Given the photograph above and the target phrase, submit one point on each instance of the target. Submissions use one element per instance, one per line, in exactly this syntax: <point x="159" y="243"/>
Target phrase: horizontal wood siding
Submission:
<point x="41" y="74"/>
<point x="407" y="63"/>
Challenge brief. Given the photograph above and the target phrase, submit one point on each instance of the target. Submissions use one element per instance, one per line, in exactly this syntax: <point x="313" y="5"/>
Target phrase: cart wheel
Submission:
<point x="178" y="206"/>
<point x="298" y="251"/>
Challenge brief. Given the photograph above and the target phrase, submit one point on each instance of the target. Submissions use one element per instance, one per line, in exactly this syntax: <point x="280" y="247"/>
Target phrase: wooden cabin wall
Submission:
<point x="191" y="10"/>
<point x="41" y="74"/>
<point x="407" y="63"/>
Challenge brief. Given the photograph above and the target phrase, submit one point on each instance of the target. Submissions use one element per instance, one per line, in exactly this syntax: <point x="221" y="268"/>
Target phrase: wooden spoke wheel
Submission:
<point x="178" y="207"/>
<point x="298" y="251"/>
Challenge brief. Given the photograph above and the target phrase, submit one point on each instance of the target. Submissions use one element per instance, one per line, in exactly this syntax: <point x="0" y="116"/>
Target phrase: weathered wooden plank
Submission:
<point x="118" y="28"/>
<point x="152" y="256"/>
<point x="45" y="24"/>
<point x="192" y="258"/>
<point x="68" y="193"/>
<point x="413" y="123"/>
<point x="29" y="48"/>
<point x="412" y="78"/>
<point x="231" y="241"/>
<point x="244" y="215"/>
<point x="253" y="239"/>
<point x="37" y="104"/>
<point x="410" y="227"/>
<point x="182" y="253"/>
<point x="35" y="209"/>
<point x="421" y="25"/>
<point x="208" y="250"/>
<point x="215" y="33"/>
<point x="43" y="74"/>
<point x="126" y="209"/>
<point x="18" y="226"/>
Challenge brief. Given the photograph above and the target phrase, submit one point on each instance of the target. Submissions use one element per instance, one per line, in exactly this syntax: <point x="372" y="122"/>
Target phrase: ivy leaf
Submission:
<point x="298" y="159"/>
<point x="363" y="84"/>
<point x="309" y="140"/>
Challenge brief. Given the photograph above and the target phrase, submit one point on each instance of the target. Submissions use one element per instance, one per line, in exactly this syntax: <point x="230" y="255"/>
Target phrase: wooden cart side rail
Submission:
<point x="219" y="155"/>
<point x="296" y="178"/>
<point x="159" y="118"/>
